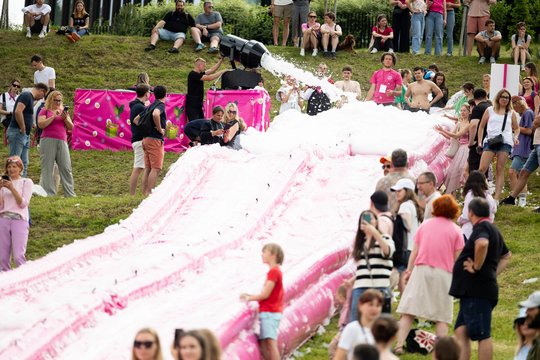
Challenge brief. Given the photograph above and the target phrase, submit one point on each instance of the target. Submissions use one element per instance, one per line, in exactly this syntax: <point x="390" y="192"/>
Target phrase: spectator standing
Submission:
<point x="18" y="132"/>
<point x="342" y="300"/>
<point x="480" y="99"/>
<point x="208" y="28"/>
<point x="173" y="27"/>
<point x="426" y="185"/>
<point x="43" y="74"/>
<point x="270" y="301"/>
<point x="299" y="17"/>
<point x="437" y="244"/>
<point x="488" y="43"/>
<point x="142" y="79"/>
<point x="379" y="206"/>
<point x="476" y="186"/>
<point x="401" y="23"/>
<point x="532" y="304"/>
<point x="281" y="9"/>
<point x="531" y="97"/>
<point x="146" y="345"/>
<point x="15" y="194"/>
<point x="406" y="76"/>
<point x="418" y="9"/>
<point x="330" y="33"/>
<point x="290" y="95"/>
<point x="499" y="121"/>
<point x="525" y="335"/>
<point x="348" y="85"/>
<point x="195" y="87"/>
<point x="440" y="80"/>
<point x="311" y="32"/>
<point x="520" y="45"/>
<point x="476" y="19"/>
<point x="386" y="162"/>
<point x="532" y="72"/>
<point x="37" y="18"/>
<point x="79" y="22"/>
<point x="7" y="103"/>
<point x="384" y="331"/>
<point x="417" y="95"/>
<point x="474" y="281"/>
<point x="386" y="82"/>
<point x="382" y="35"/>
<point x="486" y="83"/>
<point x="435" y="23"/>
<point x="136" y="107"/>
<point x="194" y="345"/>
<point x="55" y="121"/>
<point x="451" y="6"/>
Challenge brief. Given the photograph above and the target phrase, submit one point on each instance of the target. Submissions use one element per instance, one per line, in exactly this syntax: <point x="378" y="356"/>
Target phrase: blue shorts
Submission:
<point x="532" y="162"/>
<point x="505" y="147"/>
<point x="475" y="314"/>
<point x="170" y="36"/>
<point x="518" y="162"/>
<point x="269" y="325"/>
<point x="402" y="268"/>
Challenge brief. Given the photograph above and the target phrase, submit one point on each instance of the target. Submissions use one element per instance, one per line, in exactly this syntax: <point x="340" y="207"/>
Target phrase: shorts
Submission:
<point x="170" y="36"/>
<point x="269" y="325"/>
<point x="283" y="11"/>
<point x="475" y="315"/>
<point x="211" y="34"/>
<point x="475" y="24"/>
<point x="138" y="155"/>
<point x="532" y="162"/>
<point x="37" y="27"/>
<point x="518" y="162"/>
<point x="153" y="153"/>
<point x="505" y="147"/>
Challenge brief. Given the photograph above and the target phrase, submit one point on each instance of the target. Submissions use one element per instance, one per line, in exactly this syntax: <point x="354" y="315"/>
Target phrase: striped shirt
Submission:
<point x="381" y="267"/>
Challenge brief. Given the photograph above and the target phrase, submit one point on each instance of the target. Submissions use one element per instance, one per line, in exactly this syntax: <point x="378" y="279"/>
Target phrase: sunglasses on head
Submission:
<point x="13" y="161"/>
<point x="16" y="85"/>
<point x="386" y="166"/>
<point x="146" y="344"/>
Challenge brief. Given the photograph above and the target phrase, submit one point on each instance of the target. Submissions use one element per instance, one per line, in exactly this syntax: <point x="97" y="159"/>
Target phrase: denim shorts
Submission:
<point x="504" y="147"/>
<point x="475" y="314"/>
<point x="518" y="162"/>
<point x="169" y="35"/>
<point x="269" y="325"/>
<point x="532" y="162"/>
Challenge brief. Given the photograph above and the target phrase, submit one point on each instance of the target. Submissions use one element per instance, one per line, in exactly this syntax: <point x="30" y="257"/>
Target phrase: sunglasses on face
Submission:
<point x="16" y="85"/>
<point x="232" y="112"/>
<point x="146" y="344"/>
<point x="386" y="167"/>
<point x="505" y="97"/>
<point x="313" y="16"/>
<point x="58" y="100"/>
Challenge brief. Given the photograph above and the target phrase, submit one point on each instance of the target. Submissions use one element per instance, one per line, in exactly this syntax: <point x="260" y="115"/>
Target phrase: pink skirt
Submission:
<point x="455" y="174"/>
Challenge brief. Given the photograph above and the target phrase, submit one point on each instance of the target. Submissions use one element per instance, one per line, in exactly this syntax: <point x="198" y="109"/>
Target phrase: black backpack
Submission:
<point x="400" y="240"/>
<point x="146" y="120"/>
<point x="318" y="102"/>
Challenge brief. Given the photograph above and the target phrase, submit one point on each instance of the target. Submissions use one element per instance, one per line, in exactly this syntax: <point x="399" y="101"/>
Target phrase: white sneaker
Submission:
<point x="42" y="35"/>
<point x="315" y="51"/>
<point x="492" y="60"/>
<point x="28" y="34"/>
<point x="302" y="52"/>
<point x="482" y="60"/>
<point x="391" y="51"/>
<point x="374" y="51"/>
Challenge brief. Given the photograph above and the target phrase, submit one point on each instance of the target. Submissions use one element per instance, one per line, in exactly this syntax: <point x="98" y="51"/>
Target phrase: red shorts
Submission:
<point x="154" y="151"/>
<point x="475" y="24"/>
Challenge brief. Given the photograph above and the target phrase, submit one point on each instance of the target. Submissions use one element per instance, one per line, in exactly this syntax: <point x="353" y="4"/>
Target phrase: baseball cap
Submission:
<point x="532" y="302"/>
<point x="385" y="159"/>
<point x="403" y="184"/>
<point x="380" y="200"/>
<point x="522" y="315"/>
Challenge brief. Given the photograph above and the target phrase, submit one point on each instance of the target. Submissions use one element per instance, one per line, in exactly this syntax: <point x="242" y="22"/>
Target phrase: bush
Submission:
<point x="500" y="13"/>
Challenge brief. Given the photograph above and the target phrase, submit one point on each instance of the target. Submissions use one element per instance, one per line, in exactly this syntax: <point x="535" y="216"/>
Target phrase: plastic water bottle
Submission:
<point x="522" y="200"/>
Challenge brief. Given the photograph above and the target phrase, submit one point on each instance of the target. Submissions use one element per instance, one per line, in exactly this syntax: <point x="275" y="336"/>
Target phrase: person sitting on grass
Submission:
<point x="208" y="29"/>
<point x="173" y="27"/>
<point x="488" y="43"/>
<point x="330" y="34"/>
<point x="37" y="18"/>
<point x="520" y="45"/>
<point x="311" y="32"/>
<point x="79" y="22"/>
<point x="383" y="36"/>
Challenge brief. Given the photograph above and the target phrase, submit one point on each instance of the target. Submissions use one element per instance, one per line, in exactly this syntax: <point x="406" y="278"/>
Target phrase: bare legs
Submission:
<point x="485" y="160"/>
<point x="150" y="178"/>
<point x="269" y="349"/>
<point x="275" y="30"/>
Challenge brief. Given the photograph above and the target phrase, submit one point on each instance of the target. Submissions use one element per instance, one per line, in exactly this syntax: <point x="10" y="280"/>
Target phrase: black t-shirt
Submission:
<point x="483" y="283"/>
<point x="163" y="120"/>
<point x="79" y="21"/>
<point x="206" y="137"/>
<point x="27" y="99"/>
<point x="178" y="21"/>
<point x="135" y="108"/>
<point x="195" y="88"/>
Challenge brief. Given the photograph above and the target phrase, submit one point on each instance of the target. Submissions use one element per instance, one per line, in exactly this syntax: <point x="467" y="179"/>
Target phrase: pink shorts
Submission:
<point x="154" y="152"/>
<point x="475" y="24"/>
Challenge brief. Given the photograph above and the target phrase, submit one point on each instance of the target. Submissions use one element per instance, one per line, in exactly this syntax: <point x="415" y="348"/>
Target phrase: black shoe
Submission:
<point x="508" y="201"/>
<point x="326" y="54"/>
<point x="173" y="50"/>
<point x="537" y="210"/>
<point x="150" y="47"/>
<point x="333" y="55"/>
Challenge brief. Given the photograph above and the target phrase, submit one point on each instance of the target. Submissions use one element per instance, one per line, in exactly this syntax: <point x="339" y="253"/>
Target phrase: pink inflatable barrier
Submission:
<point x="101" y="117"/>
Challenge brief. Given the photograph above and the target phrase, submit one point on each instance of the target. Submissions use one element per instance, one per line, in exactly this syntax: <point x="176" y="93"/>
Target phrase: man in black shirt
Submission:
<point x="18" y="132"/>
<point x="195" y="87"/>
<point x="136" y="107"/>
<point x="474" y="281"/>
<point x="173" y="27"/>
<point x="212" y="131"/>
<point x="480" y="99"/>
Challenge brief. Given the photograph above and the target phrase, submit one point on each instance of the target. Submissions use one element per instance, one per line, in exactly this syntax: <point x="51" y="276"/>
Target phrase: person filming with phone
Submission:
<point x="55" y="121"/>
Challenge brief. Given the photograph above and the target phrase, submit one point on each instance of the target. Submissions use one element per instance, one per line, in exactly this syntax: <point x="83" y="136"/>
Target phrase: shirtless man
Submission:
<point x="420" y="90"/>
<point x="347" y="84"/>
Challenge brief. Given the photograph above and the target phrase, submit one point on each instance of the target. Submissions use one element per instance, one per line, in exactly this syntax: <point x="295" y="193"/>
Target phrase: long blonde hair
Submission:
<point x="81" y="14"/>
<point x="232" y="106"/>
<point x="159" y="355"/>
<point x="50" y="99"/>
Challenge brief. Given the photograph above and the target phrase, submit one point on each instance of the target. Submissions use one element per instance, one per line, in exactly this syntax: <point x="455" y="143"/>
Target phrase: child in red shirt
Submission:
<point x="270" y="301"/>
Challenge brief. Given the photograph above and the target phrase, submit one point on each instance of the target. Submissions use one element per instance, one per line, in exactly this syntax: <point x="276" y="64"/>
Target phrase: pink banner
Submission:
<point x="101" y="117"/>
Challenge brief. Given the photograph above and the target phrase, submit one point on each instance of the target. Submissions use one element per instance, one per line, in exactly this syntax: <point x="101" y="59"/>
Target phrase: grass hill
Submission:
<point x="101" y="178"/>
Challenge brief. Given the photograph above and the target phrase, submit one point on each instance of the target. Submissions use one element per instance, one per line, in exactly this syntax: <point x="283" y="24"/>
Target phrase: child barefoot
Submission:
<point x="270" y="301"/>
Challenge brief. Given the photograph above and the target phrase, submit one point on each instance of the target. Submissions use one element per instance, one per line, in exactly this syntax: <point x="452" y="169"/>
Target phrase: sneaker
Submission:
<point x="522" y="67"/>
<point x="150" y="47"/>
<point x="482" y="60"/>
<point x="28" y="34"/>
<point x="373" y="51"/>
<point x="302" y="52"/>
<point x="492" y="60"/>
<point x="70" y="39"/>
<point x="75" y="36"/>
<point x="510" y="200"/>
<point x="333" y="55"/>
<point x="173" y="50"/>
<point x="213" y="50"/>
<point x="326" y="54"/>
<point x="42" y="35"/>
<point x="391" y="51"/>
<point x="199" y="47"/>
<point x="449" y="54"/>
<point x="315" y="51"/>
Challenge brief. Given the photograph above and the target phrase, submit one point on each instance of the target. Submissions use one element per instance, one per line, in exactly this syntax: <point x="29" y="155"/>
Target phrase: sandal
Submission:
<point x="399" y="350"/>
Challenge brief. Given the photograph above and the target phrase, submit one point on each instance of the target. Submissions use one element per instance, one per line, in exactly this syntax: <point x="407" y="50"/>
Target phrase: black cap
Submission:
<point x="380" y="200"/>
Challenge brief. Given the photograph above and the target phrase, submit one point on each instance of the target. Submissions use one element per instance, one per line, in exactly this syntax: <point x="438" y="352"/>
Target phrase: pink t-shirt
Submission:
<point x="305" y="26"/>
<point x="384" y="81"/>
<point x="8" y="202"/>
<point x="437" y="241"/>
<point x="56" y="129"/>
<point x="437" y="6"/>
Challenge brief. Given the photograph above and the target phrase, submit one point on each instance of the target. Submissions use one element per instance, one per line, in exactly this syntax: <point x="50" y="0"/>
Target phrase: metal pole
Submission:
<point x="463" y="35"/>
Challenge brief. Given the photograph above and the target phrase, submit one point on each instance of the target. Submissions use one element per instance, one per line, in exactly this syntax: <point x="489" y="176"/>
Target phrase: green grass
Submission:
<point x="101" y="178"/>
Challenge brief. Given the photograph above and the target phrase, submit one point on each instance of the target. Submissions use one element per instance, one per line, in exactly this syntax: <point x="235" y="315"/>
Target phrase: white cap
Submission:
<point x="532" y="302"/>
<point x="403" y="184"/>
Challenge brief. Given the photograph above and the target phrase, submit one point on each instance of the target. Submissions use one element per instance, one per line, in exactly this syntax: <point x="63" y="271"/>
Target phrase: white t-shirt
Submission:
<point x="10" y="102"/>
<point x="43" y="10"/>
<point x="283" y="2"/>
<point x="43" y="76"/>
<point x="408" y="208"/>
<point x="353" y="334"/>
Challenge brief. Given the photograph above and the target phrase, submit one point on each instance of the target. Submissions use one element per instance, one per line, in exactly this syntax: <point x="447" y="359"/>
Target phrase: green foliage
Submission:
<point x="128" y="21"/>
<point x="534" y="10"/>
<point x="520" y="12"/>
<point x="500" y="13"/>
